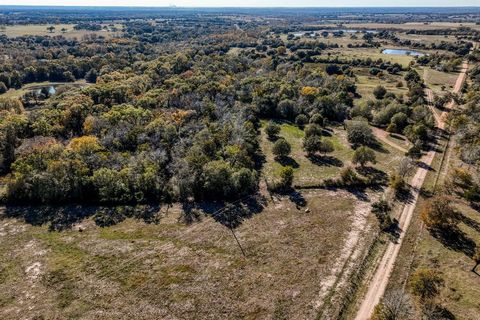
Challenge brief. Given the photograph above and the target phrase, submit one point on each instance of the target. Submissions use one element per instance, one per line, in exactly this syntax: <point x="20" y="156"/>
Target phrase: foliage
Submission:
<point x="359" y="133"/>
<point x="426" y="284"/>
<point x="281" y="148"/>
<point x="438" y="213"/>
<point x="363" y="155"/>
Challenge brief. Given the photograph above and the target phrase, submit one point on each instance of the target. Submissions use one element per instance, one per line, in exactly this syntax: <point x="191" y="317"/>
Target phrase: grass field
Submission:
<point x="436" y="79"/>
<point x="178" y="270"/>
<point x="41" y="30"/>
<point x="17" y="93"/>
<point x="404" y="26"/>
<point x="366" y="83"/>
<point x="308" y="172"/>
<point x="372" y="53"/>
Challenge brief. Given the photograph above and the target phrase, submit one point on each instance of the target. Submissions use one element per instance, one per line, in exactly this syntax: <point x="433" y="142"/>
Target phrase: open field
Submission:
<point x="310" y="173"/>
<point x="405" y="26"/>
<point x="436" y="79"/>
<point x="17" y="93"/>
<point x="41" y="30"/>
<point x="372" y="53"/>
<point x="366" y="83"/>
<point x="178" y="270"/>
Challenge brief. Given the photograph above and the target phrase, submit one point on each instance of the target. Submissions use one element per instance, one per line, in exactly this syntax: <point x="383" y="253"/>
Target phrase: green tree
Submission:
<point x="363" y="155"/>
<point x="286" y="177"/>
<point x="326" y="146"/>
<point x="379" y="92"/>
<point x="359" y="133"/>
<point x="272" y="130"/>
<point x="312" y="144"/>
<point x="51" y="29"/>
<point x="301" y="120"/>
<point x="281" y="148"/>
<point x="313" y="129"/>
<point x="425" y="284"/>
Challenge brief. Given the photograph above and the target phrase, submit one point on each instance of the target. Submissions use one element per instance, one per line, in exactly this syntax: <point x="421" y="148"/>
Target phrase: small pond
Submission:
<point x="403" y="52"/>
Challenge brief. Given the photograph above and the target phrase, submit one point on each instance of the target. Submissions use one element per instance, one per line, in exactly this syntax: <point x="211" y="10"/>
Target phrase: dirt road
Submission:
<point x="382" y="136"/>
<point x="380" y="279"/>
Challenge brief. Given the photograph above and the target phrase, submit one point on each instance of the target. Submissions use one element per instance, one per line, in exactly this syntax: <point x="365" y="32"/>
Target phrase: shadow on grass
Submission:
<point x="287" y="161"/>
<point x="325" y="160"/>
<point x="232" y="214"/>
<point x="455" y="239"/>
<point x="475" y="225"/>
<point x="60" y="218"/>
<point x="373" y="174"/>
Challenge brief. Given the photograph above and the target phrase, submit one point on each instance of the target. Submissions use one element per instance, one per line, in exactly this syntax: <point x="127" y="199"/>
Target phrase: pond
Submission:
<point x="403" y="52"/>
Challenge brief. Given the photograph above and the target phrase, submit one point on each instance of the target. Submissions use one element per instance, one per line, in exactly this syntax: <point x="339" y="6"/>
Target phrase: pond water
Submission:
<point x="403" y="52"/>
<point x="51" y="89"/>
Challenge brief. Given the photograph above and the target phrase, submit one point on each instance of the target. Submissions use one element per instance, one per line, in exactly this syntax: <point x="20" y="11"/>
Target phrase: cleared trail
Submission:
<point x="379" y="282"/>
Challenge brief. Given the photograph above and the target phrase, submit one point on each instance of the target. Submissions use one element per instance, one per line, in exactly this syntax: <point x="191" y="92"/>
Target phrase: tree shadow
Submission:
<point x="189" y="214"/>
<point x="59" y="218"/>
<point x="469" y="222"/>
<point x="327" y="132"/>
<point x="377" y="146"/>
<point x="405" y="194"/>
<point x="359" y="193"/>
<point x="398" y="136"/>
<point x="297" y="198"/>
<point x="373" y="174"/>
<point x="455" y="239"/>
<point x="425" y="166"/>
<point x="325" y="161"/>
<point x="232" y="214"/>
<point x="287" y="161"/>
<point x="394" y="230"/>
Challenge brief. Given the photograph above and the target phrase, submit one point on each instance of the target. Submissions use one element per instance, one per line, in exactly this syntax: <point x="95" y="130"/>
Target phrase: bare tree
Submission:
<point x="395" y="305"/>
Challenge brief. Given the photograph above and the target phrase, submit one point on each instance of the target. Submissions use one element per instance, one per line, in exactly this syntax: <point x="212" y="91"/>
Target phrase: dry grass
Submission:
<point x="372" y="53"/>
<point x="41" y="30"/>
<point x="436" y="79"/>
<point x="174" y="270"/>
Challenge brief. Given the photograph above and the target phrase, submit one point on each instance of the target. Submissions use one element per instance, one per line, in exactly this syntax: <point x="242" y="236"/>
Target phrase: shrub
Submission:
<point x="301" y="120"/>
<point x="281" y="148"/>
<point x="438" y="213"/>
<point x="379" y="92"/>
<point x="272" y="130"/>
<point x="286" y="177"/>
<point x="363" y="155"/>
<point x="359" y="133"/>
<point x="313" y="130"/>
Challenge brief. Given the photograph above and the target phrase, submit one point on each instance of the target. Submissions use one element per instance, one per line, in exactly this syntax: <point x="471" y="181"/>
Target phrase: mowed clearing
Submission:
<point x="311" y="172"/>
<point x="179" y="270"/>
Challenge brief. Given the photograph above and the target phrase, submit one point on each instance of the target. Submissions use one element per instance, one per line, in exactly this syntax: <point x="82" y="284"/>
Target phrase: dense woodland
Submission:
<point x="159" y="124"/>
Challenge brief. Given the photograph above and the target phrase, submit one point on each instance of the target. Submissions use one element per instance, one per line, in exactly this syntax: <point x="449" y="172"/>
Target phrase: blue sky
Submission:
<point x="250" y="3"/>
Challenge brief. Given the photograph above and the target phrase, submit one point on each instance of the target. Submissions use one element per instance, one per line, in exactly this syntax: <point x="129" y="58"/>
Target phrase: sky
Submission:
<point x="249" y="3"/>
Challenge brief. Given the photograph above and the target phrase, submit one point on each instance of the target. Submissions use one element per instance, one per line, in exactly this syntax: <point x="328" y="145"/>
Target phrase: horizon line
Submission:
<point x="173" y="6"/>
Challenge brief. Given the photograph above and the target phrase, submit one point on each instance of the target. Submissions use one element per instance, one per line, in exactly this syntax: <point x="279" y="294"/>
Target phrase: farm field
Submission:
<point x="142" y="269"/>
<point x="41" y="30"/>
